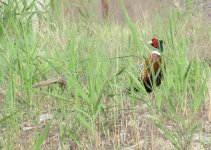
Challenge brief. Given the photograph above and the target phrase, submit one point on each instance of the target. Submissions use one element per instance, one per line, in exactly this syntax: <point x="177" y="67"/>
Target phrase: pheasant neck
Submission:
<point x="156" y="52"/>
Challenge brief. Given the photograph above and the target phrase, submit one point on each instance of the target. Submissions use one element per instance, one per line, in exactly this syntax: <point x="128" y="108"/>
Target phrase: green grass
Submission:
<point x="99" y="61"/>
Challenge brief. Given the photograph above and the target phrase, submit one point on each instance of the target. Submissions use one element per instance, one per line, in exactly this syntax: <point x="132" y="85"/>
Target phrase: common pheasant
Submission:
<point x="150" y="69"/>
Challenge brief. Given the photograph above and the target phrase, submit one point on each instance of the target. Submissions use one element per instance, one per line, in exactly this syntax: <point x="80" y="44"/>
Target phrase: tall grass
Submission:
<point x="99" y="61"/>
<point x="182" y="92"/>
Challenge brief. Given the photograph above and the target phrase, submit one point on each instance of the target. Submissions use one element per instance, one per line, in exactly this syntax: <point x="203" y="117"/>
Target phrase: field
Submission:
<point x="98" y="59"/>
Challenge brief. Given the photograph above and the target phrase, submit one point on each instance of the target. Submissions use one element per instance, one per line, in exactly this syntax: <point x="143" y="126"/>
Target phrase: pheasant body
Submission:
<point x="151" y="67"/>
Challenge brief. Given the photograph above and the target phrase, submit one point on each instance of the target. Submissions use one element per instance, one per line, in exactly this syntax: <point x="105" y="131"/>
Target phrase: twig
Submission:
<point x="209" y="99"/>
<point x="104" y="4"/>
<point x="59" y="80"/>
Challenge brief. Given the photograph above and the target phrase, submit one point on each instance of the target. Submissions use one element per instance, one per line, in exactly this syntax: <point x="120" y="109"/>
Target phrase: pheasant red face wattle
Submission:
<point x="155" y="43"/>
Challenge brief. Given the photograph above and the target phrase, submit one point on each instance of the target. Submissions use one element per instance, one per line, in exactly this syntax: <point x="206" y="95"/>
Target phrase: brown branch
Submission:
<point x="209" y="99"/>
<point x="17" y="93"/>
<point x="104" y="4"/>
<point x="59" y="80"/>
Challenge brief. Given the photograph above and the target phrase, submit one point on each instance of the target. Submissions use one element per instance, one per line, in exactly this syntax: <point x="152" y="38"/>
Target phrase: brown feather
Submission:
<point x="151" y="65"/>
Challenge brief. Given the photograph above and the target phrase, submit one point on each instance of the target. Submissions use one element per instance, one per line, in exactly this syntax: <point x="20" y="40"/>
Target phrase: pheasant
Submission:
<point x="150" y="69"/>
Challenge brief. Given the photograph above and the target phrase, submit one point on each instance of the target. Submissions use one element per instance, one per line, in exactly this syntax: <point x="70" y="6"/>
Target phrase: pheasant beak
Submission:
<point x="150" y="42"/>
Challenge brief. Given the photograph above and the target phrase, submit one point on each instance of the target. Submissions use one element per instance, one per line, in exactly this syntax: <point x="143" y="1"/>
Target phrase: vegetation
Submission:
<point x="99" y="60"/>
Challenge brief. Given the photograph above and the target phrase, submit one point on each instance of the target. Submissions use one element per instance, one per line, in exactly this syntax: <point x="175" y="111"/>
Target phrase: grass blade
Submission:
<point x="40" y="141"/>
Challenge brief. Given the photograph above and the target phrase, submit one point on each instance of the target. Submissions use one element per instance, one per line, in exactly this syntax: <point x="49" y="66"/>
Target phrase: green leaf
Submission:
<point x="8" y="117"/>
<point x="199" y="98"/>
<point x="98" y="102"/>
<point x="83" y="121"/>
<point x="121" y="71"/>
<point x="137" y="82"/>
<point x="55" y="95"/>
<point x="39" y="142"/>
<point x="72" y="136"/>
<point x="187" y="71"/>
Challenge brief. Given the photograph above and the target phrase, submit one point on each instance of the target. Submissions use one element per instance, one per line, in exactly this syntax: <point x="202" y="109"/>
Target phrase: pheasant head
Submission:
<point x="157" y="44"/>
